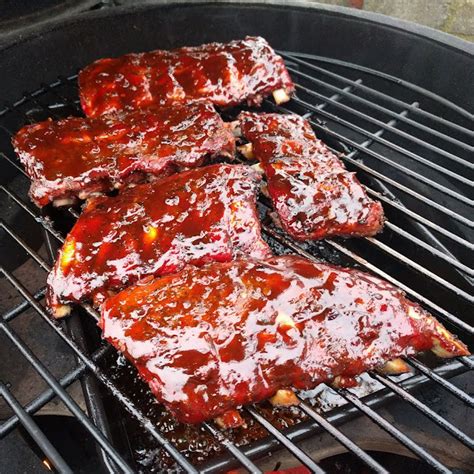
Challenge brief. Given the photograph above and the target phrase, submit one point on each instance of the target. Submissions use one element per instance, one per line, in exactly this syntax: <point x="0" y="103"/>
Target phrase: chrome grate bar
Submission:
<point x="60" y="392"/>
<point x="243" y="455"/>
<point x="457" y="392"/>
<point x="377" y="174"/>
<point x="48" y="394"/>
<point x="295" y="57"/>
<point x="297" y="452"/>
<point x="342" y="438"/>
<point x="394" y="432"/>
<point x="389" y="112"/>
<point x="375" y="137"/>
<point x="428" y="412"/>
<point x="34" y="431"/>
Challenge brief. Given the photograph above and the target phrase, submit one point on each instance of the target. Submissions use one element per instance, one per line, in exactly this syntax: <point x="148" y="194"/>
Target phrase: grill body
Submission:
<point x="430" y="59"/>
<point x="394" y="97"/>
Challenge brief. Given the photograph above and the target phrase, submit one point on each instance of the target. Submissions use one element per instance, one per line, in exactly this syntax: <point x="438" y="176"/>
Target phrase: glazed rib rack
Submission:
<point x="410" y="149"/>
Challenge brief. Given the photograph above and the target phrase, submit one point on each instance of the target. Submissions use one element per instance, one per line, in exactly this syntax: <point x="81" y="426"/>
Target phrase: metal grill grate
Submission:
<point x="412" y="151"/>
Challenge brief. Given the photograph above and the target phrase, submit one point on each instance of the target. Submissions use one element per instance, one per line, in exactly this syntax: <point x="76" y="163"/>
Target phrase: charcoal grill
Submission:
<point x="392" y="96"/>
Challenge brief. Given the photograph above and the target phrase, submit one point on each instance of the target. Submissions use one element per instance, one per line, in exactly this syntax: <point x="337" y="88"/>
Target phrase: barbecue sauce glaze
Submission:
<point x="313" y="194"/>
<point x="224" y="74"/>
<point x="194" y="217"/>
<point x="76" y="156"/>
<point x="210" y="339"/>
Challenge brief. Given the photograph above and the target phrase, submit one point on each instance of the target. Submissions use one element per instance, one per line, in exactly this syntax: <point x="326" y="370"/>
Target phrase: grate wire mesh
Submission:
<point x="375" y="128"/>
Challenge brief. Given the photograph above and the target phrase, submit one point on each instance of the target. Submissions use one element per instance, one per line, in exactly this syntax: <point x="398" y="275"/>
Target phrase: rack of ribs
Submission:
<point x="242" y="71"/>
<point x="313" y="194"/>
<point x="76" y="157"/>
<point x="195" y="217"/>
<point x="208" y="340"/>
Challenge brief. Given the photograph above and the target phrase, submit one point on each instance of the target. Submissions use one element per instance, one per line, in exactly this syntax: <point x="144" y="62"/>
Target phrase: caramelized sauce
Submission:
<point x="210" y="339"/>
<point x="74" y="155"/>
<point x="225" y="74"/>
<point x="313" y="194"/>
<point x="158" y="228"/>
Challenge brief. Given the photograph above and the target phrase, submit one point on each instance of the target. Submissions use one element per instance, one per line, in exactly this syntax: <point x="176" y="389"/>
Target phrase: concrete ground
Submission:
<point x="451" y="16"/>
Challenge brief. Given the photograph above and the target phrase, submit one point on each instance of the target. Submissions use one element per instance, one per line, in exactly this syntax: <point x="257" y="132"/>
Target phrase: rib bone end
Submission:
<point x="342" y="381"/>
<point x="444" y="344"/>
<point x="61" y="311"/>
<point x="284" y="398"/>
<point x="281" y="96"/>
<point x="395" y="367"/>
<point x="247" y="151"/>
<point x="264" y="190"/>
<point x="63" y="202"/>
<point x="449" y="347"/>
<point x="230" y="419"/>
<point x="235" y="128"/>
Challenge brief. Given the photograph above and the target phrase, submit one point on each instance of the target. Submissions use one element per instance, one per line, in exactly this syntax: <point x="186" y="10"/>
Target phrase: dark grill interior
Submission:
<point x="409" y="147"/>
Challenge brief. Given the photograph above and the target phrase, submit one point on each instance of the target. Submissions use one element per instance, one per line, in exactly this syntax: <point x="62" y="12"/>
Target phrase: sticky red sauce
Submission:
<point x="313" y="194"/>
<point x="194" y="217"/>
<point x="212" y="338"/>
<point x="225" y="74"/>
<point x="66" y="157"/>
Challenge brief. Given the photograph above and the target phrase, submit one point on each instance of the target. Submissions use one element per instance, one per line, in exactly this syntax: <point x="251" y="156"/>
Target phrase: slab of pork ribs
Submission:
<point x="313" y="194"/>
<point x="210" y="339"/>
<point x="225" y="74"/>
<point x="76" y="156"/>
<point x="194" y="217"/>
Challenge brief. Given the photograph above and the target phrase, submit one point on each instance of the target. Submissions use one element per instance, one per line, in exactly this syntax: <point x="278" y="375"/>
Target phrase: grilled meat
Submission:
<point x="210" y="339"/>
<point x="78" y="156"/>
<point x="194" y="217"/>
<point x="312" y="192"/>
<point x="225" y="74"/>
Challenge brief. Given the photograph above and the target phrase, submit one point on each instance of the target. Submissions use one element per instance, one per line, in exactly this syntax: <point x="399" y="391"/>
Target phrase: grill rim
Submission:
<point x="206" y="3"/>
<point x="419" y="32"/>
<point x="143" y="5"/>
